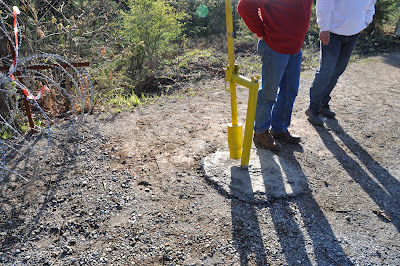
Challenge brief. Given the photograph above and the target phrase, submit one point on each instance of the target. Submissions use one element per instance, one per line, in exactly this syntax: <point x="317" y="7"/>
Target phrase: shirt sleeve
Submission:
<point x="324" y="12"/>
<point x="370" y="12"/>
<point x="249" y="11"/>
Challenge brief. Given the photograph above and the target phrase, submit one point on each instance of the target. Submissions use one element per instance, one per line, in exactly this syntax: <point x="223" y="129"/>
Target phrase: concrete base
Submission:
<point x="268" y="176"/>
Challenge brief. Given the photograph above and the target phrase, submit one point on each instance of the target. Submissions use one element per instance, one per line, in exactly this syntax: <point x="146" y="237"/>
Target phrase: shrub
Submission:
<point x="152" y="29"/>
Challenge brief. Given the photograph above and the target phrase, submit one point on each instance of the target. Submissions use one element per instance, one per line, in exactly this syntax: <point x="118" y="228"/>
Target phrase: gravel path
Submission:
<point x="129" y="189"/>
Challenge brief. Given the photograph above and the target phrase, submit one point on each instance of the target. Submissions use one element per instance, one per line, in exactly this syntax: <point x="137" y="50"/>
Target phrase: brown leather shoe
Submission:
<point x="267" y="141"/>
<point x="287" y="137"/>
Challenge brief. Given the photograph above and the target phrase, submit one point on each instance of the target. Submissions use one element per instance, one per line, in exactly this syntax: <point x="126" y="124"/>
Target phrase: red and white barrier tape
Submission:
<point x="27" y="93"/>
<point x="16" y="12"/>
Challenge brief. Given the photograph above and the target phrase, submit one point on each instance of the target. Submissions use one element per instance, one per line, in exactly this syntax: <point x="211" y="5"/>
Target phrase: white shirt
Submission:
<point x="344" y="17"/>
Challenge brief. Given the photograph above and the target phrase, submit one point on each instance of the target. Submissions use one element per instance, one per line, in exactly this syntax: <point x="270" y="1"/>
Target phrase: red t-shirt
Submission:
<point x="283" y="24"/>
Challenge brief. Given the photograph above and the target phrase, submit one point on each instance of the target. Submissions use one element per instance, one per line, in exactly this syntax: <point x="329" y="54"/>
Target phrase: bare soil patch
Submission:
<point x="129" y="189"/>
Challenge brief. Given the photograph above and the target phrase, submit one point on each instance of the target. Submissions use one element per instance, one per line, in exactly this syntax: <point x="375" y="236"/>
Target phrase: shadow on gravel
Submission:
<point x="322" y="243"/>
<point x="19" y="158"/>
<point x="246" y="231"/>
<point x="38" y="195"/>
<point x="385" y="191"/>
<point x="393" y="59"/>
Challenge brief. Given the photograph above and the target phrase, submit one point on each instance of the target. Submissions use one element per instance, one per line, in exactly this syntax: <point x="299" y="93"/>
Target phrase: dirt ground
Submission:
<point x="129" y="189"/>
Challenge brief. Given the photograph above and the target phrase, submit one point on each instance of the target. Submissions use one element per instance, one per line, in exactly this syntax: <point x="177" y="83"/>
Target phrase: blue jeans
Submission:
<point x="278" y="90"/>
<point x="334" y="59"/>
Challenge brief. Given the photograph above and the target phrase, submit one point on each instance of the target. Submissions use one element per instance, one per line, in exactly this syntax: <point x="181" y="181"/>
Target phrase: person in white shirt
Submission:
<point x="340" y="23"/>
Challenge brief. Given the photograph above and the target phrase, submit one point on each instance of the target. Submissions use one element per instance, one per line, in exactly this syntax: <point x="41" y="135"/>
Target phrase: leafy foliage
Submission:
<point x="386" y="11"/>
<point x="153" y="29"/>
<point x="135" y="44"/>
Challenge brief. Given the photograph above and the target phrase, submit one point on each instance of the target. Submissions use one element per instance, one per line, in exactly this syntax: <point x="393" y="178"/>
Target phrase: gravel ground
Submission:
<point x="129" y="189"/>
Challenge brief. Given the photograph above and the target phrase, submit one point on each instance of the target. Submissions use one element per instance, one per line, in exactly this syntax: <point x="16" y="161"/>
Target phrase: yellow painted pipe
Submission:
<point x="229" y="31"/>
<point x="248" y="83"/>
<point x="235" y="141"/>
<point x="248" y="132"/>
<point x="231" y="58"/>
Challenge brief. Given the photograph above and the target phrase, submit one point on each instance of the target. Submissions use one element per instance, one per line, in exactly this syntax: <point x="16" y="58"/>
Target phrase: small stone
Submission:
<point x="67" y="250"/>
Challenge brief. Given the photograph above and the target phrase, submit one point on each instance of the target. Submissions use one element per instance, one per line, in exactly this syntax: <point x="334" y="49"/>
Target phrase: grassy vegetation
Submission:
<point x="131" y="77"/>
<point x="119" y="90"/>
<point x="121" y="103"/>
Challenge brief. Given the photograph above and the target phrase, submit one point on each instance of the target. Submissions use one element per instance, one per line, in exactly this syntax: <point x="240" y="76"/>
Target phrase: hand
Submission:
<point x="325" y="37"/>
<point x="257" y="37"/>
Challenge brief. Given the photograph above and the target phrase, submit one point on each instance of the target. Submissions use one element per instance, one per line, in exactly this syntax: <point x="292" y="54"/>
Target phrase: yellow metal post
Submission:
<point x="233" y="77"/>
<point x="248" y="132"/>
<point x="234" y="129"/>
<point x="229" y="31"/>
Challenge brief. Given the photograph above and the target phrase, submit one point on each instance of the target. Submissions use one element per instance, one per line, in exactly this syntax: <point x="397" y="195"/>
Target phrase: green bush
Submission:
<point x="386" y="13"/>
<point x="153" y="29"/>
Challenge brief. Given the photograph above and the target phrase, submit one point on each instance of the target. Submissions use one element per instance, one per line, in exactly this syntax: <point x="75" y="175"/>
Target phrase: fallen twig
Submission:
<point x="382" y="214"/>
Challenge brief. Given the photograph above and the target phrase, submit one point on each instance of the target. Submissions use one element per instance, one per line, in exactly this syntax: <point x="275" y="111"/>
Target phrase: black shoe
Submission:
<point x="314" y="118"/>
<point x="287" y="137"/>
<point x="327" y="112"/>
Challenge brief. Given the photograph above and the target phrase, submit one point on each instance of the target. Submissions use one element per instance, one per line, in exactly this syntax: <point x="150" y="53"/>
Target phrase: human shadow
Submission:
<point x="393" y="59"/>
<point x="379" y="184"/>
<point x="305" y="236"/>
<point x="246" y="230"/>
<point x="301" y="226"/>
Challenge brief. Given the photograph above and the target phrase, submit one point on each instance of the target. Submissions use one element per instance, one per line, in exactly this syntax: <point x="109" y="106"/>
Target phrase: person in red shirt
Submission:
<point x="280" y="26"/>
